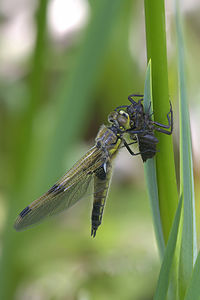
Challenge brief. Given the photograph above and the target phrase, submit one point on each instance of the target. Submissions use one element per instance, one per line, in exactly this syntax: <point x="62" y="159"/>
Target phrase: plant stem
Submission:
<point x="156" y="51"/>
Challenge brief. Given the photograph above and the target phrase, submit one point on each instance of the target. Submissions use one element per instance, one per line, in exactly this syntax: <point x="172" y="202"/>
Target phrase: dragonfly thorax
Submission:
<point x="107" y="139"/>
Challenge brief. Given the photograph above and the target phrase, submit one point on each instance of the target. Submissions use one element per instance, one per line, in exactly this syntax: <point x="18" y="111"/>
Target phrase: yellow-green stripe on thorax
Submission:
<point x="107" y="140"/>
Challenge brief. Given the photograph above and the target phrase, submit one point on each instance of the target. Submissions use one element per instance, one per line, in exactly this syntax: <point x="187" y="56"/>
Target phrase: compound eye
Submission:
<point x="124" y="114"/>
<point x="123" y="119"/>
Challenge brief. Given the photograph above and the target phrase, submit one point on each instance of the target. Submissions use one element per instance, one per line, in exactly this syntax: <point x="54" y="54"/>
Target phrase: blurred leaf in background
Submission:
<point x="64" y="66"/>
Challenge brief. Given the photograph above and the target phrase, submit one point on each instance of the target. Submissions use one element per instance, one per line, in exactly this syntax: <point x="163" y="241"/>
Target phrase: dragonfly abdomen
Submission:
<point x="107" y="139"/>
<point x="101" y="186"/>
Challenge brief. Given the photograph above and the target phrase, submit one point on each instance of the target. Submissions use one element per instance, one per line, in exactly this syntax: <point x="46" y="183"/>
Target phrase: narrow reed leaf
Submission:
<point x="72" y="105"/>
<point x="21" y="149"/>
<point x="164" y="276"/>
<point x="188" y="245"/>
<point x="74" y="94"/>
<point x="150" y="172"/>
<point x="193" y="291"/>
<point x="157" y="52"/>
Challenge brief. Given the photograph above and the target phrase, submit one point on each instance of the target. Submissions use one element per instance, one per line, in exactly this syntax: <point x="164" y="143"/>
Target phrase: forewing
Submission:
<point x="66" y="192"/>
<point x="52" y="204"/>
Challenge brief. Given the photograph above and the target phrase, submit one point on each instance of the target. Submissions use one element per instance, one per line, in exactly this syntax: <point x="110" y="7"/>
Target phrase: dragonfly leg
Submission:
<point x="122" y="106"/>
<point x="164" y="128"/>
<point x="130" y="98"/>
<point x="139" y="153"/>
<point x="129" y="144"/>
<point x="133" y="131"/>
<point x="129" y="149"/>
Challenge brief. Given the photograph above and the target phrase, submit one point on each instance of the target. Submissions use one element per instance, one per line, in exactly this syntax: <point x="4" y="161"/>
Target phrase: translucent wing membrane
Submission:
<point x="51" y="205"/>
<point x="66" y="192"/>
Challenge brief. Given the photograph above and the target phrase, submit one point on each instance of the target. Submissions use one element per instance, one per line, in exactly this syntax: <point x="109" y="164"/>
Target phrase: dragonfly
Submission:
<point x="95" y="165"/>
<point x="141" y="121"/>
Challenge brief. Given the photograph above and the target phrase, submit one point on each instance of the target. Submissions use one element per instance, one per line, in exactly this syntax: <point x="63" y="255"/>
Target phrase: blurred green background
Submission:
<point x="64" y="66"/>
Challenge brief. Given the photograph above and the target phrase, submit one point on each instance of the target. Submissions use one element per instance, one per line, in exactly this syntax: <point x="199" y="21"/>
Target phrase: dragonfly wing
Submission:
<point x="48" y="206"/>
<point x="72" y="195"/>
<point x="67" y="191"/>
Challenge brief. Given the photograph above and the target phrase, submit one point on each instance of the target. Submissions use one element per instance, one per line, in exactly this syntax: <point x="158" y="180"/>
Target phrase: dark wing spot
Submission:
<point x="56" y="189"/>
<point x="25" y="211"/>
<point x="53" y="189"/>
<point x="60" y="189"/>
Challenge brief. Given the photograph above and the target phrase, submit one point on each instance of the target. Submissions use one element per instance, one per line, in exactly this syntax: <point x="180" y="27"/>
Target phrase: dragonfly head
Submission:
<point x="119" y="119"/>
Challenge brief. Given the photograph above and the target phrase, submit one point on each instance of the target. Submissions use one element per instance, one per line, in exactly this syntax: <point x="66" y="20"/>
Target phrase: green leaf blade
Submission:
<point x="157" y="52"/>
<point x="164" y="276"/>
<point x="150" y="172"/>
<point x="193" y="291"/>
<point x="188" y="244"/>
